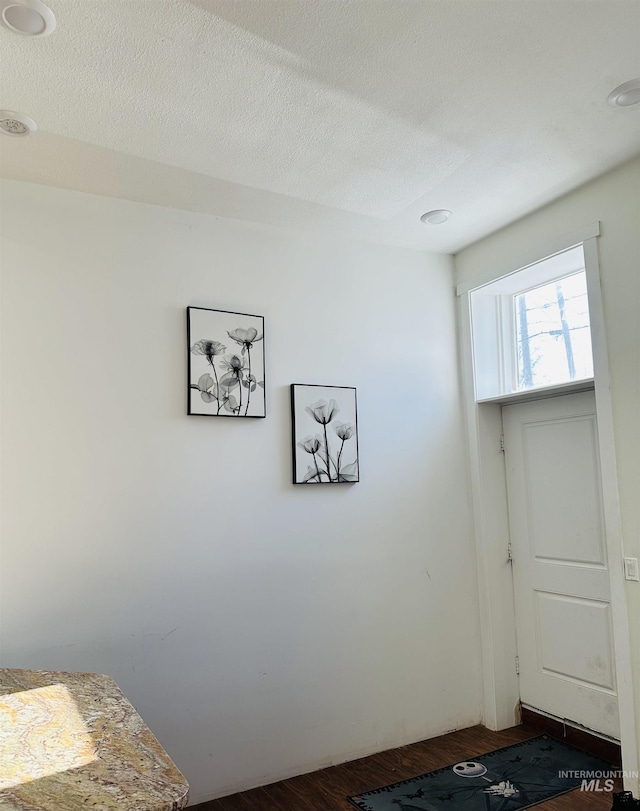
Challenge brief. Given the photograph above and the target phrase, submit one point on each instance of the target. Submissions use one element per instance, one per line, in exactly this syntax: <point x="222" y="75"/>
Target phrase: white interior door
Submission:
<point x="561" y="580"/>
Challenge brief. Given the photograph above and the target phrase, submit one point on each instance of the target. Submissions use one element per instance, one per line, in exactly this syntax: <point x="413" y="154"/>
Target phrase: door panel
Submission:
<point x="561" y="650"/>
<point x="561" y="580"/>
<point x="555" y="451"/>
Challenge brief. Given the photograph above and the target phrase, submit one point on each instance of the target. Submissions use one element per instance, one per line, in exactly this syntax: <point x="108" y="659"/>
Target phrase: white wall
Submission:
<point x="614" y="199"/>
<point x="261" y="629"/>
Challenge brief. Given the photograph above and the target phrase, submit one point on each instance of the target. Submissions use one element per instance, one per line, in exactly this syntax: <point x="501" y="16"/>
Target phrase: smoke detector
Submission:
<point x="16" y="124"/>
<point x="625" y="95"/>
<point x="436" y="217"/>
<point x="32" y="18"/>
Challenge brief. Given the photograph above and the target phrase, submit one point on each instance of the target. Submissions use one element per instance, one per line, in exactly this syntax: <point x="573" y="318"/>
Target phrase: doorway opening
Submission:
<point x="492" y="329"/>
<point x="560" y="566"/>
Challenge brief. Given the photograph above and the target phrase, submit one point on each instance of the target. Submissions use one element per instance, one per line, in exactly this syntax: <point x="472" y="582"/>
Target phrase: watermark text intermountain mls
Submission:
<point x="597" y="780"/>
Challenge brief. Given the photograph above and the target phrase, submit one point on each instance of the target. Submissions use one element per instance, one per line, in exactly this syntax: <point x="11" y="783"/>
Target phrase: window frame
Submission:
<point x="494" y="324"/>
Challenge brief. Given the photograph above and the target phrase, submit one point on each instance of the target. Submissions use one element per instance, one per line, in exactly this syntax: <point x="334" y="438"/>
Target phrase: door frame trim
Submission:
<point x="501" y="694"/>
<point x="612" y="520"/>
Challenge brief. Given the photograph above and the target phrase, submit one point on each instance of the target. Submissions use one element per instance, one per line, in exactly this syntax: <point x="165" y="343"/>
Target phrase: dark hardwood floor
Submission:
<point x="327" y="790"/>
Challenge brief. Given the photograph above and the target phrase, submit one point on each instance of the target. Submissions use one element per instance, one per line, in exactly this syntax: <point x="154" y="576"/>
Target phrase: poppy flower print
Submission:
<point x="325" y="448"/>
<point x="226" y="363"/>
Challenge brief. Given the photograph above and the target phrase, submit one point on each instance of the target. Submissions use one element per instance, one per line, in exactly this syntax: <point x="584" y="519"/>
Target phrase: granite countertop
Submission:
<point x="72" y="742"/>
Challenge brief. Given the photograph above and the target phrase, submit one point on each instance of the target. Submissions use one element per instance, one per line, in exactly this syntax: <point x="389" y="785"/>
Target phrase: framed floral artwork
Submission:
<point x="225" y="364"/>
<point x="324" y="423"/>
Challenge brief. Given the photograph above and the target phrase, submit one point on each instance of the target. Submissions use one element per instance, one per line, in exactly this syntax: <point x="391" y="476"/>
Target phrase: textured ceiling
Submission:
<point x="343" y="115"/>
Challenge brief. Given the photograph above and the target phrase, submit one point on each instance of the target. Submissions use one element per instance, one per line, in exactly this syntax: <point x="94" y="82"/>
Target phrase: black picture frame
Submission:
<point x="223" y="342"/>
<point x="307" y="415"/>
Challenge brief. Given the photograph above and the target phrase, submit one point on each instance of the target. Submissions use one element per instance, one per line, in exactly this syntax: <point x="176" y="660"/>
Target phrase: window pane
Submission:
<point x="553" y="333"/>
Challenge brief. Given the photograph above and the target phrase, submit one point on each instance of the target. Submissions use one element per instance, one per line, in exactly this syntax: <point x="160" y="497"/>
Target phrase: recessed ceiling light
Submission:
<point x="29" y="17"/>
<point x="437" y="216"/>
<point x="626" y="95"/>
<point x="16" y="124"/>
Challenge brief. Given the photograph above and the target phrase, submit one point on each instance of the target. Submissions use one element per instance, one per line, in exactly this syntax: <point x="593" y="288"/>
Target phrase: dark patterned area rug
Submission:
<point x="508" y="779"/>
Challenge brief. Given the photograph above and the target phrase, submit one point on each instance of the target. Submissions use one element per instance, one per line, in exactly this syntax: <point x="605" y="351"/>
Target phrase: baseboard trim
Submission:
<point x="577" y="736"/>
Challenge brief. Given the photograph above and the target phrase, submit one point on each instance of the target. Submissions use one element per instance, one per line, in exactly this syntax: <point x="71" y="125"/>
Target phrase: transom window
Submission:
<point x="531" y="329"/>
<point x="553" y="333"/>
